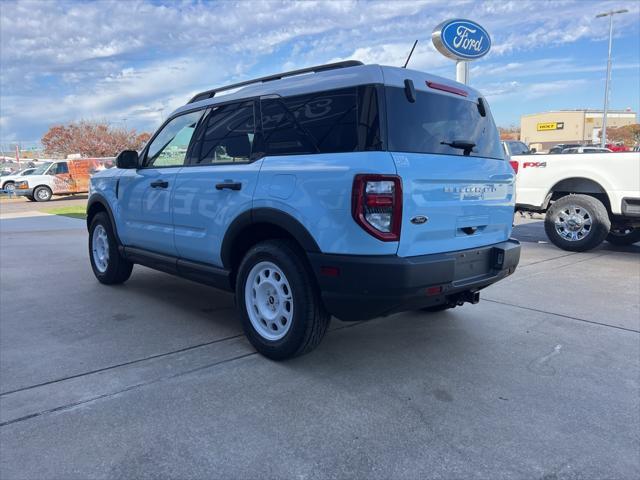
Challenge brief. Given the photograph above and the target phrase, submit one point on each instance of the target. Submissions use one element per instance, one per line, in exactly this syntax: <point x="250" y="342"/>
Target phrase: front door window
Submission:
<point x="169" y="148"/>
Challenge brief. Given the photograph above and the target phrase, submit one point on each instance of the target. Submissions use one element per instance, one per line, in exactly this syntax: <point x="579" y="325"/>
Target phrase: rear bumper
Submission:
<point x="630" y="207"/>
<point x="357" y="287"/>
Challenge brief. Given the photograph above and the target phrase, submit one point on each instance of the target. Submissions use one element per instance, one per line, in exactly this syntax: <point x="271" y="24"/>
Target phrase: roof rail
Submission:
<point x="319" y="68"/>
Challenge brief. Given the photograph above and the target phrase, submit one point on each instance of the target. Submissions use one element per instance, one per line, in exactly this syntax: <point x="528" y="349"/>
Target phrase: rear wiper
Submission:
<point x="464" y="145"/>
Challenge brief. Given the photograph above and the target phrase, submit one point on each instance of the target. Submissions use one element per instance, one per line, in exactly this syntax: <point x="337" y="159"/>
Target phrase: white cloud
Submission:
<point x="138" y="59"/>
<point x="521" y="92"/>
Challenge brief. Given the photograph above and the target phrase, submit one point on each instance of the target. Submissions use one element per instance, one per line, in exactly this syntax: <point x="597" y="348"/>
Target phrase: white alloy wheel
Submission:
<point x="100" y="248"/>
<point x="269" y="301"/>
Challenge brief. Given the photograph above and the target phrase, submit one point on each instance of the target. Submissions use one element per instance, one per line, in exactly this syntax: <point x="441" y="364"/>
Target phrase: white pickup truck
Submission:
<point x="587" y="197"/>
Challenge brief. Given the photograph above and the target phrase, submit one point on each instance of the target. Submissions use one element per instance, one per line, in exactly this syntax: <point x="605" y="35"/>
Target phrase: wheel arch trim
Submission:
<point x="92" y="204"/>
<point x="600" y="189"/>
<point x="267" y="215"/>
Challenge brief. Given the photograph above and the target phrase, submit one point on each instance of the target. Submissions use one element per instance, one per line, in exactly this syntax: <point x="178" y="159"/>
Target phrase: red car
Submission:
<point x="617" y="147"/>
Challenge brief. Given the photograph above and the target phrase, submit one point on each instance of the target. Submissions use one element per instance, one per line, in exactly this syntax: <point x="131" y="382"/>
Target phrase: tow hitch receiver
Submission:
<point x="466" y="297"/>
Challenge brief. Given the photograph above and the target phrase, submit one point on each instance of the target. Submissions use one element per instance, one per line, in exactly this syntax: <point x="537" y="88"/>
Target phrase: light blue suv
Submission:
<point x="346" y="189"/>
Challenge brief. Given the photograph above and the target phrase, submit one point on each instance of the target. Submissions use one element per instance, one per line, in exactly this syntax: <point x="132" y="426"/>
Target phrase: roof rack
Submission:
<point x="319" y="68"/>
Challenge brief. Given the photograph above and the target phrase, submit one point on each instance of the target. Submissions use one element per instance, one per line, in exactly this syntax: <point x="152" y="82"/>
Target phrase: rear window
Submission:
<point x="433" y="120"/>
<point x="518" y="148"/>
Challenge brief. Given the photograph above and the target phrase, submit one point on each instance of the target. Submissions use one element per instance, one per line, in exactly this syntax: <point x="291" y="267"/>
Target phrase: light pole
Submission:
<point x="609" y="14"/>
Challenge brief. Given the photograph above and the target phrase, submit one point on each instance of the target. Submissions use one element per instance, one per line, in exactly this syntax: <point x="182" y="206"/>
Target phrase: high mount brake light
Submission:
<point x="447" y="88"/>
<point x="376" y="205"/>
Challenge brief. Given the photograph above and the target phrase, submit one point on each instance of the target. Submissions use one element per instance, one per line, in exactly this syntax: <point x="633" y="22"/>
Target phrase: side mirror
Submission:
<point x="127" y="159"/>
<point x="532" y="150"/>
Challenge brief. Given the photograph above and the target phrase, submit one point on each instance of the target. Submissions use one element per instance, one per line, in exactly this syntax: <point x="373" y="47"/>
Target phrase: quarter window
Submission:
<point x="170" y="146"/>
<point x="334" y="121"/>
<point x="228" y="135"/>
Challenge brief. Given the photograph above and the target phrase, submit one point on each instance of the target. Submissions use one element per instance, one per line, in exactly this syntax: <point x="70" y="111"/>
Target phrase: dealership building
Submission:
<point x="544" y="130"/>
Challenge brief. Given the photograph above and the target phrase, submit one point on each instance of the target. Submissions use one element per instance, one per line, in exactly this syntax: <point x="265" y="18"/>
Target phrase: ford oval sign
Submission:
<point x="461" y="39"/>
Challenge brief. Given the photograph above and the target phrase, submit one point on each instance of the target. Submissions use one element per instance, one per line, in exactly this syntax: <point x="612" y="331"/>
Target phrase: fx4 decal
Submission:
<point x="534" y="164"/>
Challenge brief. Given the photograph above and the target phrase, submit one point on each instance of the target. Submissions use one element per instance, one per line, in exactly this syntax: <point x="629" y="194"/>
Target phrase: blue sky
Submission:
<point x="131" y="62"/>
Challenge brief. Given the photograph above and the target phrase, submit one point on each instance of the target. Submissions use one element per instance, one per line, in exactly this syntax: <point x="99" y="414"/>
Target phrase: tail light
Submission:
<point x="376" y="205"/>
<point x="514" y="165"/>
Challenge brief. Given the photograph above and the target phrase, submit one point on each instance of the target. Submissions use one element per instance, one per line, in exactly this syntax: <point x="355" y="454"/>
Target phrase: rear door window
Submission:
<point x="434" y="121"/>
<point x="228" y="135"/>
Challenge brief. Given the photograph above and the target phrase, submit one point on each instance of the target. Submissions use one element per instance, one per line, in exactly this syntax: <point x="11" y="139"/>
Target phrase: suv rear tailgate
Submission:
<point x="468" y="202"/>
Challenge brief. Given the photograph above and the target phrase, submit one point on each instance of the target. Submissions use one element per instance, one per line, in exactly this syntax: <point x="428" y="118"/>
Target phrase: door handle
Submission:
<point x="229" y="185"/>
<point x="159" y="184"/>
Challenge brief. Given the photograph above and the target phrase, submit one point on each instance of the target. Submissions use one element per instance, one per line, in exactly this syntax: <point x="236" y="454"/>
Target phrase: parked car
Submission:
<point x="60" y="177"/>
<point x="562" y="146"/>
<point x="586" y="149"/>
<point x="298" y="194"/>
<point x="8" y="181"/>
<point x="587" y="198"/>
<point x="617" y="147"/>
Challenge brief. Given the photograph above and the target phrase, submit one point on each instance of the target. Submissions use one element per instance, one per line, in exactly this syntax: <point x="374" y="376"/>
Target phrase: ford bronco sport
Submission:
<point x="346" y="189"/>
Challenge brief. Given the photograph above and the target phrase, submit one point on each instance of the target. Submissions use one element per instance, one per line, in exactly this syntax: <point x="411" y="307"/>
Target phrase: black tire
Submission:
<point x="623" y="235"/>
<point x="30" y="198"/>
<point x="309" y="321"/>
<point x="9" y="187"/>
<point x="42" y="194"/>
<point x="118" y="268"/>
<point x="587" y="208"/>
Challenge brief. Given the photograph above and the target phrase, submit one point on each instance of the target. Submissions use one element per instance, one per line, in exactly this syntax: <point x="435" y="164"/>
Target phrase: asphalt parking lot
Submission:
<point x="153" y="379"/>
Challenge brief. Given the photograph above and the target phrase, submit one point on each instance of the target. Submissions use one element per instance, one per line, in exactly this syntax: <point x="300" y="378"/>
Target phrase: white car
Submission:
<point x="8" y="182"/>
<point x="587" y="197"/>
<point x="587" y="150"/>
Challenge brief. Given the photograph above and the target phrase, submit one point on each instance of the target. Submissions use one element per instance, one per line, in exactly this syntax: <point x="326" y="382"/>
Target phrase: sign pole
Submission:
<point x="462" y="72"/>
<point x="610" y="14"/>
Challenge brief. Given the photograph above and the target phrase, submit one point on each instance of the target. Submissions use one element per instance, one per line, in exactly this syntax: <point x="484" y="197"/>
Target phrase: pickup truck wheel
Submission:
<point x="9" y="187"/>
<point x="108" y="265"/>
<point x="620" y="235"/>
<point x="280" y="306"/>
<point x="42" y="194"/>
<point x="577" y="223"/>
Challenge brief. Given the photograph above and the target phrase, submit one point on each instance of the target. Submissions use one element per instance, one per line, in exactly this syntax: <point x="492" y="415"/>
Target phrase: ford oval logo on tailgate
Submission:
<point x="461" y="39"/>
<point x="419" y="219"/>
